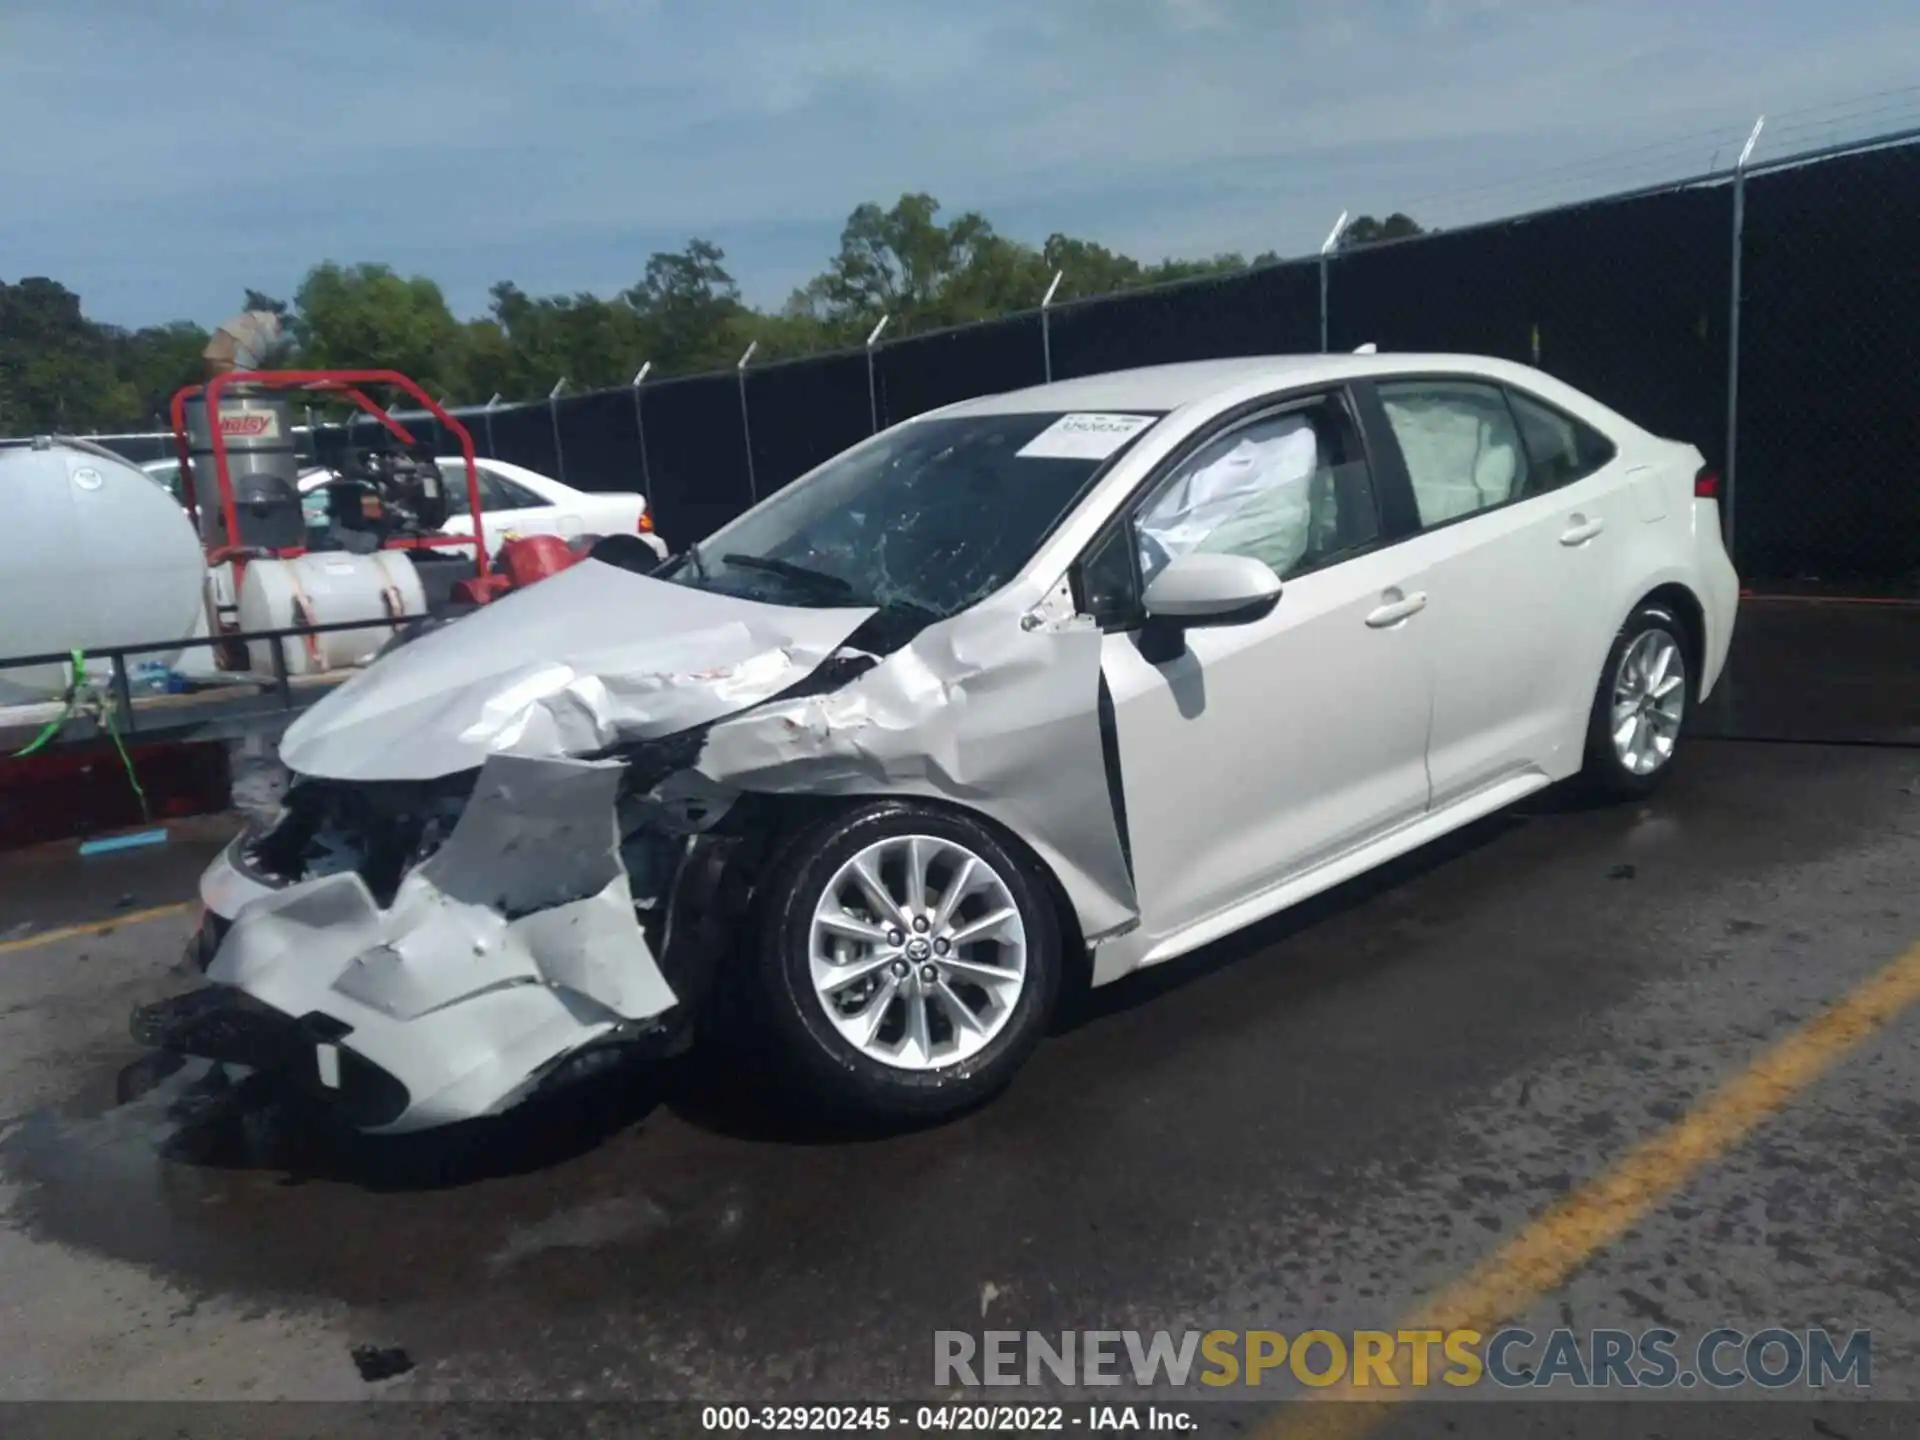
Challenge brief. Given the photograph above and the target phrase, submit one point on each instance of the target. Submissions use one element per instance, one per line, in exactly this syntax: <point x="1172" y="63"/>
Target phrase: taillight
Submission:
<point x="645" y="526"/>
<point x="1706" y="484"/>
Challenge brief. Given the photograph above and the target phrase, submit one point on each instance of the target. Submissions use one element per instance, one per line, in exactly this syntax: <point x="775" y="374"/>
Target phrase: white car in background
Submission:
<point x="516" y="502"/>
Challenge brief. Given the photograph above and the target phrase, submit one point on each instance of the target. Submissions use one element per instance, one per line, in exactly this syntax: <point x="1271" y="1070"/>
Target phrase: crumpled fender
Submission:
<point x="995" y="710"/>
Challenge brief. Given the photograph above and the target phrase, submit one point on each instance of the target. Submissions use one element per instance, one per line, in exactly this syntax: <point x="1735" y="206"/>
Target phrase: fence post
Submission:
<point x="492" y="405"/>
<point x="553" y="413"/>
<point x="1733" y="330"/>
<point x="873" y="390"/>
<point x="746" y="425"/>
<point x="640" y="429"/>
<point x="1326" y="249"/>
<point x="1046" y="327"/>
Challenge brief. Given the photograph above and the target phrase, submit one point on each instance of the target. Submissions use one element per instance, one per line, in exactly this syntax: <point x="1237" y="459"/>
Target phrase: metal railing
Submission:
<point x="204" y="708"/>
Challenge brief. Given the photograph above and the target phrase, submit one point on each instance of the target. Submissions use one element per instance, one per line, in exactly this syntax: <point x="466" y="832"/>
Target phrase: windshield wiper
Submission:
<point x="800" y="574"/>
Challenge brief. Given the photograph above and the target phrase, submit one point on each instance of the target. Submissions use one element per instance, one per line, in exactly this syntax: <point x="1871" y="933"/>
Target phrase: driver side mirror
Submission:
<point x="1204" y="590"/>
<point x="1213" y="590"/>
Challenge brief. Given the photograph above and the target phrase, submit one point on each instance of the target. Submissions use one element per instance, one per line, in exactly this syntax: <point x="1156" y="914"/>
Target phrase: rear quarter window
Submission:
<point x="1560" y="448"/>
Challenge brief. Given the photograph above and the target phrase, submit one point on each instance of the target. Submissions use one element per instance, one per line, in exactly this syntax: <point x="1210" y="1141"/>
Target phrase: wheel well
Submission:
<point x="1687" y="610"/>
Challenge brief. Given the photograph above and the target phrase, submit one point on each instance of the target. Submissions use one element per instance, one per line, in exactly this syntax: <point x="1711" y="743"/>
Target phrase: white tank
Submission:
<point x="92" y="553"/>
<point x="324" y="589"/>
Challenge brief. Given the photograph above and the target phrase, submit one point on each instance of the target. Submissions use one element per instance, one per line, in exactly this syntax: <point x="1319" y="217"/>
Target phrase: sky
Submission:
<point x="159" y="159"/>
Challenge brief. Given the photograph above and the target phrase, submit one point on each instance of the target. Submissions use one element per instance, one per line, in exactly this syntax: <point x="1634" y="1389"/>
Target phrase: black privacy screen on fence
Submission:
<point x="600" y="442"/>
<point x="1272" y="311"/>
<point x="696" y="456"/>
<point x="1829" y="429"/>
<point x="805" y="412"/>
<point x="523" y="435"/>
<point x="1626" y="300"/>
<point x="928" y="371"/>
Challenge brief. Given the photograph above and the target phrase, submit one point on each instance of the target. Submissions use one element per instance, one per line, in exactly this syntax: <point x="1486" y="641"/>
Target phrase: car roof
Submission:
<point x="1168" y="387"/>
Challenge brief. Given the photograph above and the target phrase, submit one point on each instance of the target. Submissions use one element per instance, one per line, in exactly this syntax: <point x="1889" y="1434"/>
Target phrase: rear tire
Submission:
<point x="910" y="1004"/>
<point x="1639" y="709"/>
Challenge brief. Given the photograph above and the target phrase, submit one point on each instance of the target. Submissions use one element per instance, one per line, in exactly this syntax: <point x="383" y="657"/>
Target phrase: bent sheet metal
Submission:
<point x="520" y="940"/>
<point x="981" y="710"/>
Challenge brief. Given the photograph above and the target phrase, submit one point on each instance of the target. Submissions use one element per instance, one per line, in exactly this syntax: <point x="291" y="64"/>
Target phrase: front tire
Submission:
<point x="907" y="961"/>
<point x="1633" y="732"/>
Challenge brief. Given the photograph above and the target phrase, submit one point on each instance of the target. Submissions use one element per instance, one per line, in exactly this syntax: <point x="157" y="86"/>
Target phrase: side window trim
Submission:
<point x="1266" y="407"/>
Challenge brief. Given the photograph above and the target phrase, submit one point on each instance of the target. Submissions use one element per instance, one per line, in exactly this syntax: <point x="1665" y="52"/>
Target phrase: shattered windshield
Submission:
<point x="931" y="517"/>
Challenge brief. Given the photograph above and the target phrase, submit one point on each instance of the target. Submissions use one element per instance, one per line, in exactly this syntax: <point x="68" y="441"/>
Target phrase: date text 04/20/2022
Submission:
<point x="1018" y="1419"/>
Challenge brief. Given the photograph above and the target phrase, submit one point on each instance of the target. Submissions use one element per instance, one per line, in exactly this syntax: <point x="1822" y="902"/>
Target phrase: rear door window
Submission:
<point x="1462" y="449"/>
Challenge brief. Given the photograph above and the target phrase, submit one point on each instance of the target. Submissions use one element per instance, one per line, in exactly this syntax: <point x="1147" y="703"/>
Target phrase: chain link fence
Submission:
<point x="1626" y="300"/>
<point x="1829" y="425"/>
<point x="1631" y="299"/>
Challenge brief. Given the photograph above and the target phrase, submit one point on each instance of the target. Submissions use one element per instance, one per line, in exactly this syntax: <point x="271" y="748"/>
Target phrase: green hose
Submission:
<point x="54" y="726"/>
<point x="110" y="713"/>
<point x="109" y="718"/>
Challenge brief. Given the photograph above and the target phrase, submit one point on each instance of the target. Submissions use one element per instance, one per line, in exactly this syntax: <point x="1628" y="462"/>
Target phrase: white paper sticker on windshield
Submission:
<point x="1084" y="436"/>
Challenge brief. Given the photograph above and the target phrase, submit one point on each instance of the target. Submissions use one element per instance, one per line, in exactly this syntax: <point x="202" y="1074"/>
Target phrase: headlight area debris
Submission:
<point x="494" y="863"/>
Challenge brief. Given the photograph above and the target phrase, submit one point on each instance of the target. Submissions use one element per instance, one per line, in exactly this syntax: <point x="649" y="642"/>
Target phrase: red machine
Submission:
<point x="240" y="479"/>
<point x="523" y="561"/>
<point x="336" y="383"/>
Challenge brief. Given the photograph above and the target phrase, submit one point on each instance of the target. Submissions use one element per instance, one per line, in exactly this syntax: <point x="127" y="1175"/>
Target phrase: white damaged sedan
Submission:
<point x="1080" y="677"/>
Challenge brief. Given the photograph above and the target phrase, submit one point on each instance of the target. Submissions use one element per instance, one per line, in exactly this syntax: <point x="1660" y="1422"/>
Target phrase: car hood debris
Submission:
<point x="589" y="659"/>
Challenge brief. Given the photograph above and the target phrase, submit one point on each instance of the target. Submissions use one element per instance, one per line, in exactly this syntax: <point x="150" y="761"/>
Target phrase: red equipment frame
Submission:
<point x="346" y="383"/>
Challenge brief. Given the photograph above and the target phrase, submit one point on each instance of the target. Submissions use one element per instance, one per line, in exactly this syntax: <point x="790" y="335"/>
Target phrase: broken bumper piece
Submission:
<point x="216" y="1023"/>
<point x="512" y="948"/>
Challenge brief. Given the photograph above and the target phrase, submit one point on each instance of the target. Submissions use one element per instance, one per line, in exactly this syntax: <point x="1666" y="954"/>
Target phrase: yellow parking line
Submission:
<point x="1538" y="1260"/>
<point x="96" y="927"/>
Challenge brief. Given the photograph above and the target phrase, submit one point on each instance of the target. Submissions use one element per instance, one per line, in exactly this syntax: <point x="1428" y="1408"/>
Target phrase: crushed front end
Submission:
<point x="528" y="838"/>
<point x="427" y="953"/>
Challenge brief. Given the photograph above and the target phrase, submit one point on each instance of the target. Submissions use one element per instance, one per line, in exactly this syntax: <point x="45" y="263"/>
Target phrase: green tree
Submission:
<point x="688" y="306"/>
<point x="1087" y="268"/>
<point x="154" y="363"/>
<point x="60" y="370"/>
<point x="905" y="263"/>
<point x="589" y="341"/>
<point x="367" y="316"/>
<point x="1368" y="231"/>
<point x="56" y="367"/>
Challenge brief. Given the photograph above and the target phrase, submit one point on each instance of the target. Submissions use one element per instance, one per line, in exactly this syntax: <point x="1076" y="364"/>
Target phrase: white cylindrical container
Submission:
<point x="92" y="553"/>
<point x="326" y="588"/>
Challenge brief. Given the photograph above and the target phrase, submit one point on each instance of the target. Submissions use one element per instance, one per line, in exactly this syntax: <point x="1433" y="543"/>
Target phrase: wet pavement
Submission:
<point x="1314" y="1125"/>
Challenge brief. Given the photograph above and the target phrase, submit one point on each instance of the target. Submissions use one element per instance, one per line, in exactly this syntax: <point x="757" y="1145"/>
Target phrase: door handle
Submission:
<point x="1582" y="531"/>
<point x="1395" y="611"/>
